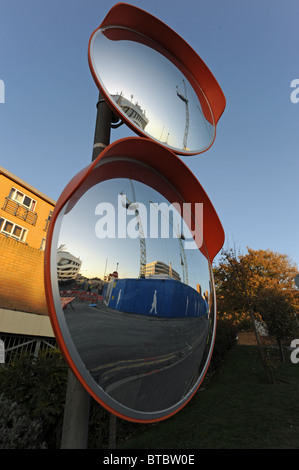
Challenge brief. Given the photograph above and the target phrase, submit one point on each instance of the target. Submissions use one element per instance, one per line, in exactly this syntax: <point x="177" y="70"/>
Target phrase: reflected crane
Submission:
<point x="165" y="141"/>
<point x="134" y="206"/>
<point x="180" y="237"/>
<point x="183" y="257"/>
<point x="186" y="101"/>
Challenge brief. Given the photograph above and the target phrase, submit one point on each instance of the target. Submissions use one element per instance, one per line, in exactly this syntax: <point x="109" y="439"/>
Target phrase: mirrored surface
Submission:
<point x="148" y="88"/>
<point x="133" y="295"/>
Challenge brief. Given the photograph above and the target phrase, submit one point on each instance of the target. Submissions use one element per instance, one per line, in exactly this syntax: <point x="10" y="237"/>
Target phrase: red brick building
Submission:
<point x="25" y="213"/>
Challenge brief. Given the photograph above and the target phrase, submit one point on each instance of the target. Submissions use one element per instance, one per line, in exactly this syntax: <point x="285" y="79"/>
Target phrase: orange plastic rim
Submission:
<point x="132" y="157"/>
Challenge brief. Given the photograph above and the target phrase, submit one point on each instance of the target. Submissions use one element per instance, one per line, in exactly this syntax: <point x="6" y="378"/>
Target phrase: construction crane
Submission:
<point x="180" y="237"/>
<point x="134" y="206"/>
<point x="183" y="258"/>
<point x="186" y="101"/>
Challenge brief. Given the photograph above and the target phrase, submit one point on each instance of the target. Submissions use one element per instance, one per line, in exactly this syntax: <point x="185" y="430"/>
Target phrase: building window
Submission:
<point x="13" y="230"/>
<point x="21" y="198"/>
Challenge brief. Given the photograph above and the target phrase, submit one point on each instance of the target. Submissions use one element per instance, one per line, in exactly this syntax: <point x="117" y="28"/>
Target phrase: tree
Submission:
<point x="279" y="313"/>
<point x="241" y="281"/>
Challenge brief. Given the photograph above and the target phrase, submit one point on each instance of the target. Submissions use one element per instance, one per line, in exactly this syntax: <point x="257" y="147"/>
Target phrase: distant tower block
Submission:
<point x="133" y="111"/>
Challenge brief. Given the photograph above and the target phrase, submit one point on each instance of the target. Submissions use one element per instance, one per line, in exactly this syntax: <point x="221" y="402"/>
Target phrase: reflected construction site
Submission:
<point x="140" y="326"/>
<point x="159" y="100"/>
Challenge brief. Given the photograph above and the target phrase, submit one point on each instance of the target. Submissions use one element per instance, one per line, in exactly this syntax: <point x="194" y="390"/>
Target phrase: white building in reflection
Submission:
<point x="158" y="268"/>
<point x="133" y="111"/>
<point x="68" y="266"/>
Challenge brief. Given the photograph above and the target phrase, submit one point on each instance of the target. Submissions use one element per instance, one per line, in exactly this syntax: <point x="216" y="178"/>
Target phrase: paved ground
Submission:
<point x="146" y="363"/>
<point x="247" y="338"/>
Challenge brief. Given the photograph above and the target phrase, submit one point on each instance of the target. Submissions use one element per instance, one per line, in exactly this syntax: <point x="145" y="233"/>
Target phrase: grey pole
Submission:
<point x="76" y="415"/>
<point x="103" y="127"/>
<point x="77" y="403"/>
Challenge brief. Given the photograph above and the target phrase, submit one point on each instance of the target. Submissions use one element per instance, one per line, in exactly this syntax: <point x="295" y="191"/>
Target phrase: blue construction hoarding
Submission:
<point x="165" y="298"/>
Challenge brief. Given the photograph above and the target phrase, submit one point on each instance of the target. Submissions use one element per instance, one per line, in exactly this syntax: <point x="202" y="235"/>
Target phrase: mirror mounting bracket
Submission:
<point x="117" y="124"/>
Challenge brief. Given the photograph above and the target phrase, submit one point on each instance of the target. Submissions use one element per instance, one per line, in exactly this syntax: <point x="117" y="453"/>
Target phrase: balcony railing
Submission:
<point x="20" y="211"/>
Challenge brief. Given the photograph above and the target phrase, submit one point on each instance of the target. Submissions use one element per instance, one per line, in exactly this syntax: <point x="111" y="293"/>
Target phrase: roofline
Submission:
<point x="23" y="183"/>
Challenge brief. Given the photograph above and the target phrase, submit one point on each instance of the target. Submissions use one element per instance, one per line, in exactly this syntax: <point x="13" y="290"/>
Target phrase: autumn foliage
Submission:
<point x="258" y="285"/>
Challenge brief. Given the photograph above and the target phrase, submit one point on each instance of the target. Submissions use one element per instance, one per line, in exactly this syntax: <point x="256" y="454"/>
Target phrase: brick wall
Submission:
<point x="21" y="277"/>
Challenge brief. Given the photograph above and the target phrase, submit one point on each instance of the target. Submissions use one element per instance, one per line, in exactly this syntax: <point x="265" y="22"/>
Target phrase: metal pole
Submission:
<point x="77" y="403"/>
<point x="103" y="127"/>
<point x="76" y="415"/>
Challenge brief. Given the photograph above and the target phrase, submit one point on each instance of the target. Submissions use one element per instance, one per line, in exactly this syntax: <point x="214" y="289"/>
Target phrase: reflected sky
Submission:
<point x="85" y="225"/>
<point x="140" y="343"/>
<point x="144" y="76"/>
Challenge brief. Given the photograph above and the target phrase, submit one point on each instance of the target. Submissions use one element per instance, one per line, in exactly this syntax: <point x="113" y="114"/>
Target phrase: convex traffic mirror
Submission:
<point x="129" y="282"/>
<point x="154" y="81"/>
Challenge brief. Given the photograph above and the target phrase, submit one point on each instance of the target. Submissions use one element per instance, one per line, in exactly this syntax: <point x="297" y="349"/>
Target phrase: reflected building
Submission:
<point x="133" y="111"/>
<point x="158" y="268"/>
<point x="68" y="266"/>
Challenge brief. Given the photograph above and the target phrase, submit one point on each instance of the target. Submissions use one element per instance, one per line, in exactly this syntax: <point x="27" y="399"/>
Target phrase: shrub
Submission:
<point x="17" y="429"/>
<point x="37" y="387"/>
<point x="226" y="339"/>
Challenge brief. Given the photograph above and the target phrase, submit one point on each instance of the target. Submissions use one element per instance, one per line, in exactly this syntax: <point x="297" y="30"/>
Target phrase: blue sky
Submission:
<point x="250" y="173"/>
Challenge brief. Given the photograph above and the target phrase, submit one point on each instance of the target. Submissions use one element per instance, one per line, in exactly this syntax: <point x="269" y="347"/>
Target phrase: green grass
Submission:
<point x="238" y="409"/>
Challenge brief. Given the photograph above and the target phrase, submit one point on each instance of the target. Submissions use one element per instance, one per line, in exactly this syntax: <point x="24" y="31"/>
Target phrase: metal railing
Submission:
<point x="20" y="211"/>
<point x="12" y="345"/>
